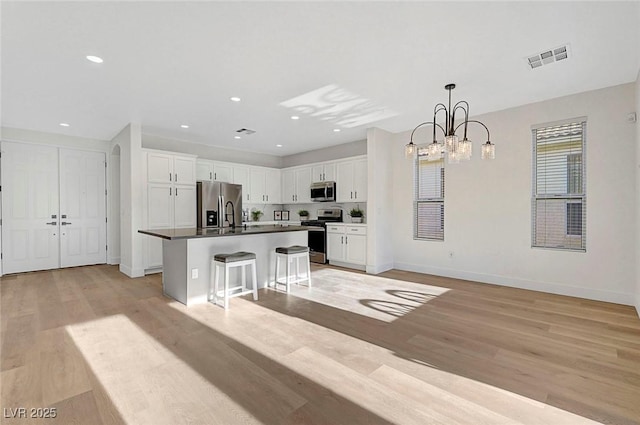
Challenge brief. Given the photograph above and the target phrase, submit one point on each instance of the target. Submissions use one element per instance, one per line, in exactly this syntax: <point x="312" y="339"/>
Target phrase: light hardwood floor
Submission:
<point x="402" y="348"/>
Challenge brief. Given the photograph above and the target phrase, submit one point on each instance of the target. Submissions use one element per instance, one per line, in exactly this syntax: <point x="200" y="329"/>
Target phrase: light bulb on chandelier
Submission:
<point x="456" y="150"/>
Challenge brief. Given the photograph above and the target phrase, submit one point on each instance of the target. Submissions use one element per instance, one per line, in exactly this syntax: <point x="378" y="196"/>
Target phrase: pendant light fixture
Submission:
<point x="455" y="149"/>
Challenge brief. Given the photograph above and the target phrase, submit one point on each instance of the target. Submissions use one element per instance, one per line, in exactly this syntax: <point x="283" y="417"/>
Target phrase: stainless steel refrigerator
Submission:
<point x="219" y="204"/>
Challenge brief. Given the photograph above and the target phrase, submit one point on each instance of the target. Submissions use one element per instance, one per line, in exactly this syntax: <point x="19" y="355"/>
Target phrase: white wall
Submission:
<point x="345" y="150"/>
<point x="211" y="152"/>
<point x="54" y="139"/>
<point x="113" y="224"/>
<point x="637" y="259"/>
<point x="131" y="177"/>
<point x="488" y="205"/>
<point x="380" y="216"/>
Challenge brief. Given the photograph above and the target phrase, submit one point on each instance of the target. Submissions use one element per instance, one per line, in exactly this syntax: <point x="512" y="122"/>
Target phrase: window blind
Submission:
<point x="559" y="190"/>
<point x="429" y="198"/>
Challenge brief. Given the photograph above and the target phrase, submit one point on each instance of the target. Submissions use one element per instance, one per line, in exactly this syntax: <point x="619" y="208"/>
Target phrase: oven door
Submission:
<point x="317" y="244"/>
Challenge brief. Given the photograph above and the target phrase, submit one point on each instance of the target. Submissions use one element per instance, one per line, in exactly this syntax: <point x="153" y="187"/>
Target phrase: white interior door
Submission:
<point x="30" y="207"/>
<point x="83" y="230"/>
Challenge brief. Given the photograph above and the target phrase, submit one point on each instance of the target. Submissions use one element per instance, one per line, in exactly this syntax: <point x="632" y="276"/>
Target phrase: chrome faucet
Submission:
<point x="233" y="214"/>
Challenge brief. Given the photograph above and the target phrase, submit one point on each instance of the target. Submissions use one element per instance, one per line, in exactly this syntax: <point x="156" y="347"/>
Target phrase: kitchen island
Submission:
<point x="187" y="253"/>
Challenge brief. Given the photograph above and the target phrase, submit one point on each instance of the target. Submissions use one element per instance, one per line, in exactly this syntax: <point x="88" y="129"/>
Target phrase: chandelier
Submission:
<point x="455" y="149"/>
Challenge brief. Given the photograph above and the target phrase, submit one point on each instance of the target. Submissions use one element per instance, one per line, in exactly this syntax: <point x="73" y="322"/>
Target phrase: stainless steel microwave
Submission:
<point x="323" y="191"/>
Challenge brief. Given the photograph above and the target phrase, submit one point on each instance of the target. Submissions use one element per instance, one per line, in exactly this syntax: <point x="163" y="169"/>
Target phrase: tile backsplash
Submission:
<point x="268" y="209"/>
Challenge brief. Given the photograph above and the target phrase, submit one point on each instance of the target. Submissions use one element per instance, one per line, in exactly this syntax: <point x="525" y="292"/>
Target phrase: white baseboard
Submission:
<point x="553" y="288"/>
<point x="379" y="268"/>
<point x="113" y="260"/>
<point x="132" y="273"/>
<point x="347" y="265"/>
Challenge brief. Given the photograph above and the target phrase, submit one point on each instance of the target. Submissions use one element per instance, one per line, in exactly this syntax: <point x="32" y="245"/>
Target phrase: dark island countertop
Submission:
<point x="214" y="232"/>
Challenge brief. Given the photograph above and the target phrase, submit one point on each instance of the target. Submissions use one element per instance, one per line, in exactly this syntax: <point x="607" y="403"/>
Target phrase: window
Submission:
<point x="559" y="196"/>
<point x="429" y="198"/>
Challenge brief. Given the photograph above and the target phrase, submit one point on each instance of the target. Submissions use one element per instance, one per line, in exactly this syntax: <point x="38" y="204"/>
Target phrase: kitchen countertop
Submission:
<point x="214" y="232"/>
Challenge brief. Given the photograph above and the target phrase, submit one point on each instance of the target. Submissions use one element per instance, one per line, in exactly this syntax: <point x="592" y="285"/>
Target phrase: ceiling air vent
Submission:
<point x="245" y="131"/>
<point x="548" y="56"/>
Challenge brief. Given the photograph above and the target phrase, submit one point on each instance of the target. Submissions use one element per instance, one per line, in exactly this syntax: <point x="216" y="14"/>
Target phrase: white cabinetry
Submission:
<point x="241" y="176"/>
<point x="296" y="184"/>
<point x="207" y="170"/>
<point x="170" y="198"/>
<point x="264" y="186"/>
<point x="351" y="178"/>
<point x="347" y="245"/>
<point x="323" y="172"/>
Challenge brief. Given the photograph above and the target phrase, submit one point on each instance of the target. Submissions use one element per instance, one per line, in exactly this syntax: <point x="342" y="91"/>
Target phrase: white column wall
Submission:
<point x="131" y="182"/>
<point x="379" y="215"/>
<point x="488" y="205"/>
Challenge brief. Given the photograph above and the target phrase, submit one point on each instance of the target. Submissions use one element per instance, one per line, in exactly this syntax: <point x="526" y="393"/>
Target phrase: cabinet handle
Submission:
<point x="176" y="191"/>
<point x="53" y="223"/>
<point x="210" y="176"/>
<point x="215" y="176"/>
<point x="351" y="195"/>
<point x="267" y="198"/>
<point x="170" y="177"/>
<point x="169" y="191"/>
<point x="346" y="240"/>
<point x="176" y="177"/>
<point x="323" y="177"/>
<point x="356" y="192"/>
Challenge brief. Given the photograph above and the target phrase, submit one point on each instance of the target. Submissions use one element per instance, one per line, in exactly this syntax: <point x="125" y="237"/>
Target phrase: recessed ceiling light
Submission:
<point x="235" y="99"/>
<point x="237" y="137"/>
<point x="95" y="59"/>
<point x="295" y="117"/>
<point x="184" y="126"/>
<point x="64" y="124"/>
<point x="337" y="130"/>
<point x="278" y="146"/>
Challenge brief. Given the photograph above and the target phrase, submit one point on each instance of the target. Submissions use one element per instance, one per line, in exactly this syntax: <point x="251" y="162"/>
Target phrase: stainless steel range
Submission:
<point x="318" y="233"/>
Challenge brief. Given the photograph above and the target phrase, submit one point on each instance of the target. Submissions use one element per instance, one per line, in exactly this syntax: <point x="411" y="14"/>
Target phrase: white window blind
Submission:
<point x="429" y="198"/>
<point x="559" y="204"/>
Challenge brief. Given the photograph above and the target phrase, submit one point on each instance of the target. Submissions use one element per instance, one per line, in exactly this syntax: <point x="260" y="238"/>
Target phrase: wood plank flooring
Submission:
<point x="398" y="348"/>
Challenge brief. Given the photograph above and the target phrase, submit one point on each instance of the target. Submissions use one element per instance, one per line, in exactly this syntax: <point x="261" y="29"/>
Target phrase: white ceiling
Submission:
<point x="167" y="64"/>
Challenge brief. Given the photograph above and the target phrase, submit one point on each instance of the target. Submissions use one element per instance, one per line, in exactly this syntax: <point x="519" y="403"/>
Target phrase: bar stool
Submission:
<point x="288" y="254"/>
<point x="226" y="262"/>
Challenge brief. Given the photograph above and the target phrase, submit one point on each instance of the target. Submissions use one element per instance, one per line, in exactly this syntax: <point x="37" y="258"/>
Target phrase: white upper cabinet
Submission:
<point x="184" y="170"/>
<point x="222" y="172"/>
<point x="159" y="168"/>
<point x="351" y="181"/>
<point x="273" y="190"/>
<point x="241" y="177"/>
<point x="289" y="186"/>
<point x="257" y="186"/>
<point x="303" y="185"/>
<point x="296" y="183"/>
<point x="204" y="170"/>
<point x="209" y="171"/>
<point x="324" y="172"/>
<point x="167" y="168"/>
<point x="264" y="185"/>
<point x="360" y="180"/>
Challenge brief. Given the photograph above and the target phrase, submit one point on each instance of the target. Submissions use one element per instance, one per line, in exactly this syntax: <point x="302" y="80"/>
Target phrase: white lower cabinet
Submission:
<point x="347" y="245"/>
